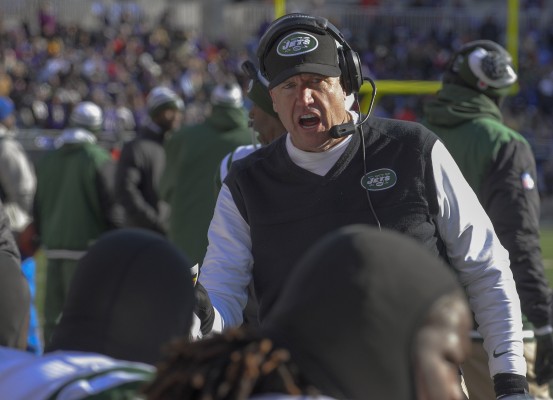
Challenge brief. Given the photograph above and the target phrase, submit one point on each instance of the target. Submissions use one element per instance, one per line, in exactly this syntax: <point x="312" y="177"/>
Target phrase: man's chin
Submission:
<point x="320" y="146"/>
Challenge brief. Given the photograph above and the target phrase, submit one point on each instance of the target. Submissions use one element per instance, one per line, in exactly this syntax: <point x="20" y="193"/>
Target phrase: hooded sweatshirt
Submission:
<point x="131" y="293"/>
<point x="351" y="308"/>
<point x="499" y="165"/>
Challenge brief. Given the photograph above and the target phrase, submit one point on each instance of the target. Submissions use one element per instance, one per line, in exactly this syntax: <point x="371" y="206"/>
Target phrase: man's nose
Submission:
<point x="305" y="95"/>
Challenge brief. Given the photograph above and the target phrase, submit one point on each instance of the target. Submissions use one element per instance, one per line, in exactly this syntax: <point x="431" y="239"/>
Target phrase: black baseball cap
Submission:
<point x="301" y="51"/>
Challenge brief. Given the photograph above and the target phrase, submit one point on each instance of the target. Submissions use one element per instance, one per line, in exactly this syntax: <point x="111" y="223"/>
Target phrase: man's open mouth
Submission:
<point x="309" y="120"/>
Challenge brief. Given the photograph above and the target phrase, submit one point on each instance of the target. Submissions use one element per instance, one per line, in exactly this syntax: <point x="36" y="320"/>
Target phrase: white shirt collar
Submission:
<point x="318" y="163"/>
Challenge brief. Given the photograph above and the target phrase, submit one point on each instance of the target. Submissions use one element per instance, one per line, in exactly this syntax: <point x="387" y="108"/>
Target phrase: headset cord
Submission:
<point x="364" y="150"/>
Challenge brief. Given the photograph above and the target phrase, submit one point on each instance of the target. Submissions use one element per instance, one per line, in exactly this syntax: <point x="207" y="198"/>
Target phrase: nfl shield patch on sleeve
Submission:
<point x="527" y="181"/>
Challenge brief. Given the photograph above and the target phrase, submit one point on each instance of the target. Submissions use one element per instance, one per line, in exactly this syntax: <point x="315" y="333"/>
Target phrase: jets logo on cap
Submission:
<point x="297" y="43"/>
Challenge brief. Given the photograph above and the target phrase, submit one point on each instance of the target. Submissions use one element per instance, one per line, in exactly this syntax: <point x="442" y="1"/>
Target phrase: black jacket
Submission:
<point x="137" y="177"/>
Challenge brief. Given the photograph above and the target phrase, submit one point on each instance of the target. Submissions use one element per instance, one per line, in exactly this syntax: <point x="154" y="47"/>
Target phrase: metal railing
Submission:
<point x="37" y="141"/>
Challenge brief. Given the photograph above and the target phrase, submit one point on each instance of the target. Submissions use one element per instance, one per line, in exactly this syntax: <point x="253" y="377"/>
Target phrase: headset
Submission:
<point x="348" y="60"/>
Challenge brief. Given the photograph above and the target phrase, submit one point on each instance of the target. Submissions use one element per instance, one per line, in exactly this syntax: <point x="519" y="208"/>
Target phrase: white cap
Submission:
<point x="87" y="115"/>
<point x="161" y="96"/>
<point x="228" y="94"/>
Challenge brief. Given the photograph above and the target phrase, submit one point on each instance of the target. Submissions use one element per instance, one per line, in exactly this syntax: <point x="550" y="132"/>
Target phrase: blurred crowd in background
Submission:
<point x="115" y="67"/>
<point x="116" y="64"/>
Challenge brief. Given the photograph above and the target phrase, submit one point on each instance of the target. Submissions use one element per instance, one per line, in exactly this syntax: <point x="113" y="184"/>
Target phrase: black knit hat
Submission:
<point x="482" y="65"/>
<point x="350" y="309"/>
<point x="297" y="52"/>
<point x="147" y="300"/>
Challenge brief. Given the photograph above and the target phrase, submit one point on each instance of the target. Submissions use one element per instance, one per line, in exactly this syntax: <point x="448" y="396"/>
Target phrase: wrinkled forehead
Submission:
<point x="306" y="78"/>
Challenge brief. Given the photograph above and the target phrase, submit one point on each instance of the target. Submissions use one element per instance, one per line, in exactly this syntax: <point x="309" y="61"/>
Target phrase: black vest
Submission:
<point x="288" y="208"/>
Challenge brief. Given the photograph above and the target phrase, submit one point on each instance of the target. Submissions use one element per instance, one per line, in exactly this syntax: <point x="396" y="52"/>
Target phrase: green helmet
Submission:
<point x="482" y="65"/>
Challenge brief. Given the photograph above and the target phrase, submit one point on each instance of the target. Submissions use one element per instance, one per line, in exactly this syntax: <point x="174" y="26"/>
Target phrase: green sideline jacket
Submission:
<point x="499" y="165"/>
<point x="193" y="156"/>
<point x="72" y="203"/>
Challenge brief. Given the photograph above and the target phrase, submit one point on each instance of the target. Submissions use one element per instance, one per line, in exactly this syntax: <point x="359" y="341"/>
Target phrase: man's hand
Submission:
<point x="543" y="367"/>
<point x="203" y="309"/>
<point x="28" y="241"/>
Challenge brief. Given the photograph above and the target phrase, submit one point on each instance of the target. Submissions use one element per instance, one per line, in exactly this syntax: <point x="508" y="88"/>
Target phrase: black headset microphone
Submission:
<point x="343" y="130"/>
<point x="349" y="128"/>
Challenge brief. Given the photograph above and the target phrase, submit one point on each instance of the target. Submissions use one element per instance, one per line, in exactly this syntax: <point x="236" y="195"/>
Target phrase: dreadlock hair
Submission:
<point x="232" y="365"/>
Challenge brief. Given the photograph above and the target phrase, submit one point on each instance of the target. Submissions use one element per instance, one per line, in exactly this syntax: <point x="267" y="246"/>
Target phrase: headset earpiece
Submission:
<point x="349" y="63"/>
<point x="350" y="66"/>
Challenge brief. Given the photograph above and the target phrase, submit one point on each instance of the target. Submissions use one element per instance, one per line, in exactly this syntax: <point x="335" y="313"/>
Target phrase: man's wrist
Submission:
<point x="543" y="330"/>
<point x="507" y="384"/>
